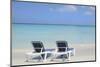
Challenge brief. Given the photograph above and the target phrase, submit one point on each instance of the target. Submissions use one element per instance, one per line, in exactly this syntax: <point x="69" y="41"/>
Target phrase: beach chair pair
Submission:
<point x="41" y="53"/>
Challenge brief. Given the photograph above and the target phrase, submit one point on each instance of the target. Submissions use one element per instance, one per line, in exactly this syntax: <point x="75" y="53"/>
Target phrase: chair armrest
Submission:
<point x="70" y="48"/>
<point x="55" y="50"/>
<point x="41" y="49"/>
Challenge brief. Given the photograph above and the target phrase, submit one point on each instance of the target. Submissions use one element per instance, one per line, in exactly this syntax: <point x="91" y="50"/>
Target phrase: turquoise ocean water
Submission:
<point x="23" y="34"/>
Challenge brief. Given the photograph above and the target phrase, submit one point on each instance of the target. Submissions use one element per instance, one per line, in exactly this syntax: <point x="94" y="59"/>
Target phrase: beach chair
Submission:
<point x="38" y="52"/>
<point x="63" y="50"/>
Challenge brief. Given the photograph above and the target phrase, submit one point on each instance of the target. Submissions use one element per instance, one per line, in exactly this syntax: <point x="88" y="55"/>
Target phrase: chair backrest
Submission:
<point x="62" y="45"/>
<point x="38" y="45"/>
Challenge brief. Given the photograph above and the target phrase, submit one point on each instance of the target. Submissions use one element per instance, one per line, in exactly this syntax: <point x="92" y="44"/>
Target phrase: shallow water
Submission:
<point x="23" y="34"/>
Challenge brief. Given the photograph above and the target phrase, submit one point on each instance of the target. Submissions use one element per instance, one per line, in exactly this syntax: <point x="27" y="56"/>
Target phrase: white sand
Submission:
<point x="83" y="52"/>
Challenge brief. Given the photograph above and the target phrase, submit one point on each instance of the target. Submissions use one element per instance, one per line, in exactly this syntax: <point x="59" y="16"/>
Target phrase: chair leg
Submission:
<point x="45" y="57"/>
<point x="41" y="57"/>
<point x="73" y="52"/>
<point x="64" y="57"/>
<point x="53" y="57"/>
<point x="68" y="56"/>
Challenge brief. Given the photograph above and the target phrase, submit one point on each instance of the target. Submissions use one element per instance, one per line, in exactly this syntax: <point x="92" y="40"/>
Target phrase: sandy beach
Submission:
<point x="83" y="52"/>
<point x="50" y="23"/>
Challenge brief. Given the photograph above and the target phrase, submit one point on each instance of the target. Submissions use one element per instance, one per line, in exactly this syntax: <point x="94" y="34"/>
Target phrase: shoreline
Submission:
<point x="82" y="53"/>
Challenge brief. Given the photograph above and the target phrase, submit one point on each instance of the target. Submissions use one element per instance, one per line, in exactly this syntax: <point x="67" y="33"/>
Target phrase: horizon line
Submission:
<point x="56" y="24"/>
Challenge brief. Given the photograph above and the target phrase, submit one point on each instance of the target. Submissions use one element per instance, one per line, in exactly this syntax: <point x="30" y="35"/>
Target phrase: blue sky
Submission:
<point x="42" y="13"/>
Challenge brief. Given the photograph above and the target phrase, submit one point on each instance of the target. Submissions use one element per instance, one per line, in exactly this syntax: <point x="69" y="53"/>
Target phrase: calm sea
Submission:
<point x="23" y="34"/>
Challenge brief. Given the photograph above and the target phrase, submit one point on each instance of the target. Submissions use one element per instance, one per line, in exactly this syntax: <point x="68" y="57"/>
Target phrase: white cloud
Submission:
<point x="90" y="11"/>
<point x="92" y="8"/>
<point x="73" y="8"/>
<point x="66" y="8"/>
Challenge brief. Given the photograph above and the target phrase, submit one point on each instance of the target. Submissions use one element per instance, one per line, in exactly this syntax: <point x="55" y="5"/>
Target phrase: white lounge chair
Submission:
<point x="38" y="51"/>
<point x="63" y="50"/>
